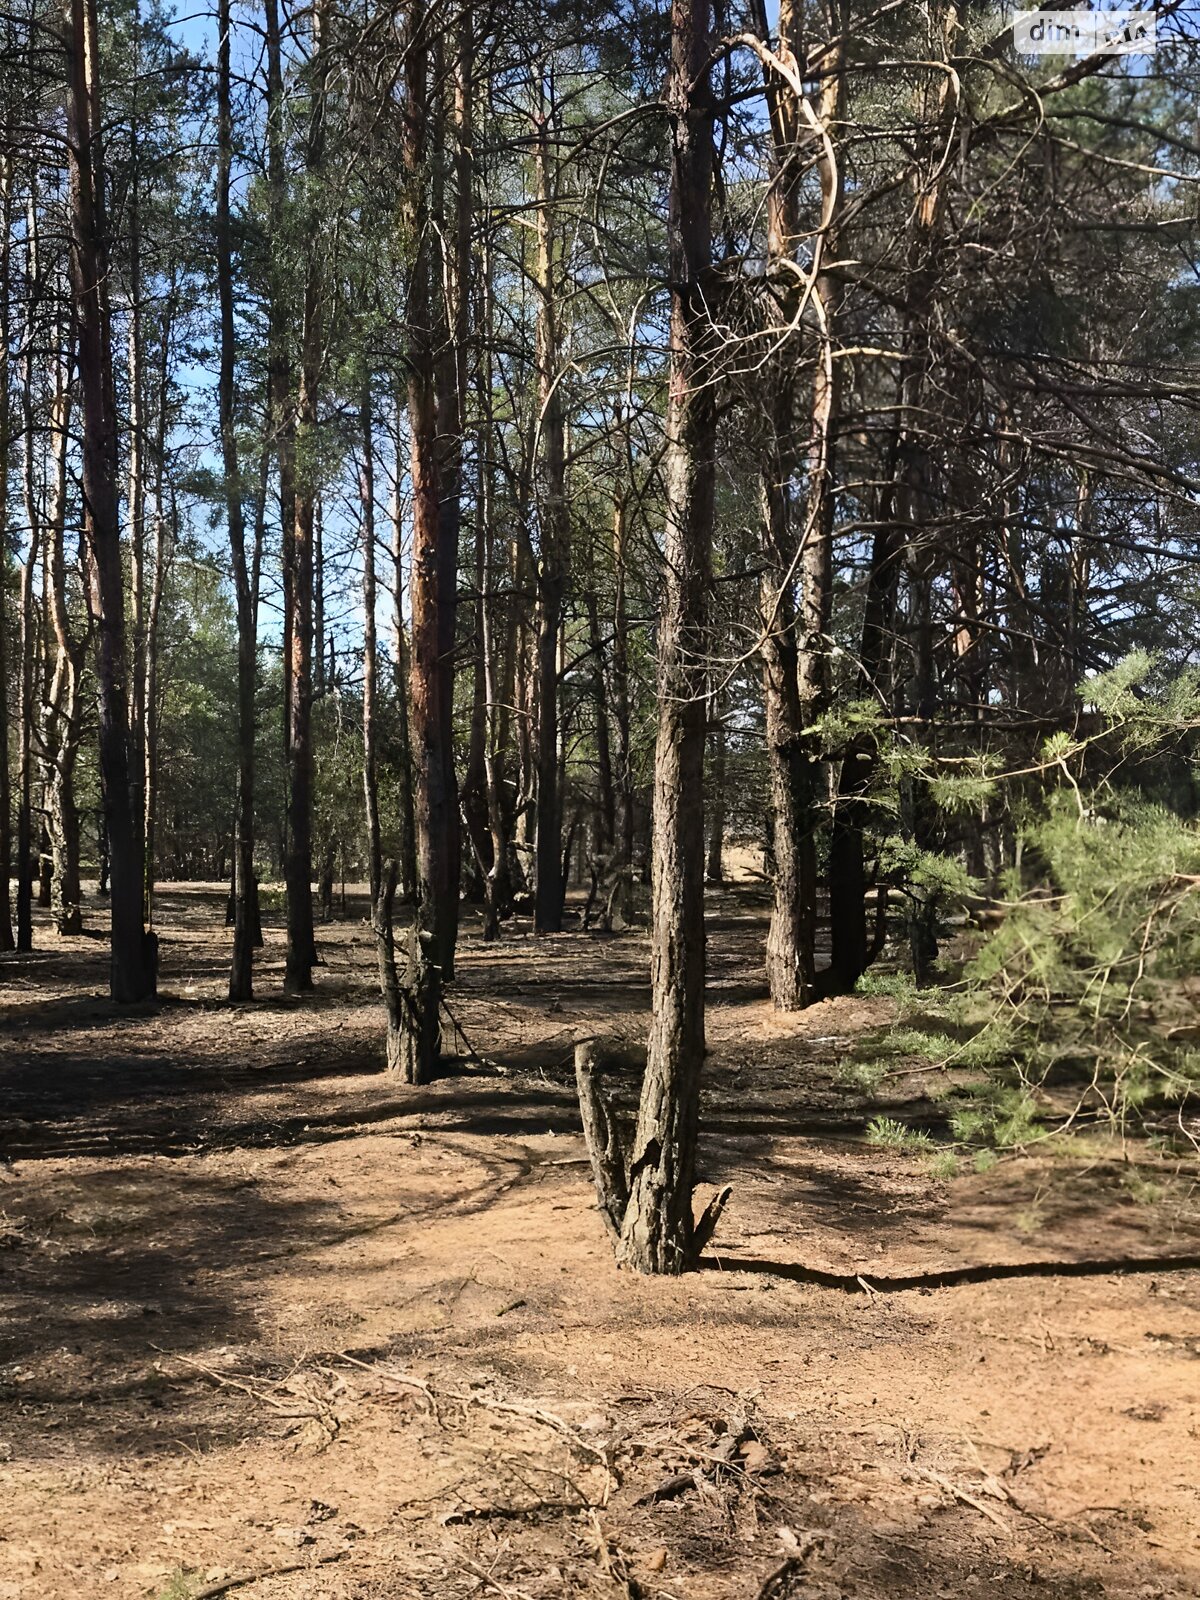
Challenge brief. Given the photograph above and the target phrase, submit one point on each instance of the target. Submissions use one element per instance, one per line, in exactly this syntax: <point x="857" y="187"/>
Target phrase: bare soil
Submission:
<point x="266" y="1316"/>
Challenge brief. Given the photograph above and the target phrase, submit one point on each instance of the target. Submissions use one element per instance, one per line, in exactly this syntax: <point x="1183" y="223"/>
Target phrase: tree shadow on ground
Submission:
<point x="121" y="1270"/>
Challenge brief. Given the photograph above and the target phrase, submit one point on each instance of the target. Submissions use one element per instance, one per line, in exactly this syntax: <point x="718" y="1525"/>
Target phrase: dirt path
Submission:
<point x="261" y="1309"/>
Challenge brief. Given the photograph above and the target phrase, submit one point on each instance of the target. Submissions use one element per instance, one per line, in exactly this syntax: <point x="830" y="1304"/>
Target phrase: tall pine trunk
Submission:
<point x="658" y="1231"/>
<point x="496" y="636"/>
<point x="402" y="662"/>
<point x="298" y="863"/>
<point x="245" y="912"/>
<point x="62" y="710"/>
<point x="154" y="598"/>
<point x="795" y="635"/>
<point x="28" y="631"/>
<point x="555" y="542"/>
<point x="7" y="940"/>
<point x="621" y="898"/>
<point x="366" y="495"/>
<point x="415" y="1045"/>
<point x="133" y="973"/>
<point x="900" y="510"/>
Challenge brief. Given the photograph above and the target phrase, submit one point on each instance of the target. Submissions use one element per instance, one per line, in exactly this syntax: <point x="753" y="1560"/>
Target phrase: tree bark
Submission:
<point x="658" y="1231"/>
<point x="452" y="101"/>
<point x="28" y="639"/>
<point x="245" y="912"/>
<point x="714" y="867"/>
<point x="496" y="642"/>
<point x="795" y="647"/>
<point x="475" y="809"/>
<point x="435" y="807"/>
<point x="62" y="711"/>
<point x="158" y="579"/>
<point x="620" y="908"/>
<point x="136" y="479"/>
<point x="403" y="674"/>
<point x="134" y="954"/>
<point x="279" y="320"/>
<point x="7" y="940"/>
<point x="366" y="494"/>
<point x="554" y="553"/>
<point x="899" y="510"/>
<point x="298" y="865"/>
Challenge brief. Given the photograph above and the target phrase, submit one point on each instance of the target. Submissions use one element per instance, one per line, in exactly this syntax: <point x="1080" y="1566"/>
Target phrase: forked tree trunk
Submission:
<point x="658" y="1232"/>
<point x="133" y="975"/>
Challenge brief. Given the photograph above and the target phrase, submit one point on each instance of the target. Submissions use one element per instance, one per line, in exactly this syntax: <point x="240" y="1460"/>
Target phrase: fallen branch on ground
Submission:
<point x="241" y="1580"/>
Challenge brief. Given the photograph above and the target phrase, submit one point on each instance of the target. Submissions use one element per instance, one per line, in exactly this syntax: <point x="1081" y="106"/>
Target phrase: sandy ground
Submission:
<point x="266" y="1316"/>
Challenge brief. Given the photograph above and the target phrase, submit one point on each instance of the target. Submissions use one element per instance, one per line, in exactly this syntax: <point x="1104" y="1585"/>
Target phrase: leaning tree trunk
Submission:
<point x="133" y="974"/>
<point x="657" y="1229"/>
